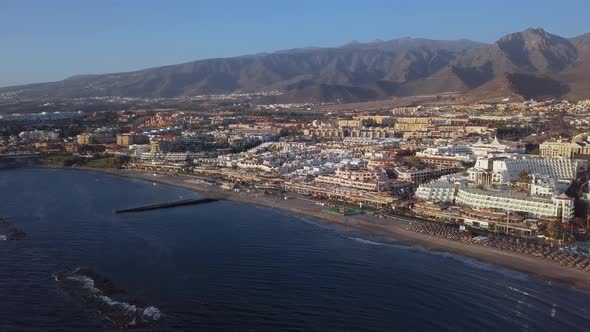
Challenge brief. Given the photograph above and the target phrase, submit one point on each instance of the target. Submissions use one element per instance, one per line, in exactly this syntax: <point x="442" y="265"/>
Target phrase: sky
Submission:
<point x="49" y="40"/>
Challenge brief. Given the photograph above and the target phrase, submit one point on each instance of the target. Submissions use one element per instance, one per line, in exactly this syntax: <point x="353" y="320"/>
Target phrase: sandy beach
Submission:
<point x="391" y="228"/>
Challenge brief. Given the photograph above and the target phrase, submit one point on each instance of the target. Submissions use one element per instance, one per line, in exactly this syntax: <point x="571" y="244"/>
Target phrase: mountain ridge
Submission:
<point x="529" y="64"/>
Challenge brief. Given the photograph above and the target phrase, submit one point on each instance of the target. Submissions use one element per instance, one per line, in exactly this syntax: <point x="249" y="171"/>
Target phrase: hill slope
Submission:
<point x="530" y="64"/>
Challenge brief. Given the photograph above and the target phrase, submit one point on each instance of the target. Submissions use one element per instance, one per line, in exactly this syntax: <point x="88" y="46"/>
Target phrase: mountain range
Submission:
<point x="529" y="64"/>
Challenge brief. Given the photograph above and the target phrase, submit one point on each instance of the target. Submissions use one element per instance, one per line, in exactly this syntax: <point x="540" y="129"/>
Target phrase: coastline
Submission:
<point x="392" y="229"/>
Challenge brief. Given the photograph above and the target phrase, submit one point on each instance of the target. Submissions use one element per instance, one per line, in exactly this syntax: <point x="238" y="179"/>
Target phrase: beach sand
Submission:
<point x="391" y="228"/>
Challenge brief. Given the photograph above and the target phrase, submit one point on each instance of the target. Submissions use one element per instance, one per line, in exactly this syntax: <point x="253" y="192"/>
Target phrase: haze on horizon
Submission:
<point x="51" y="40"/>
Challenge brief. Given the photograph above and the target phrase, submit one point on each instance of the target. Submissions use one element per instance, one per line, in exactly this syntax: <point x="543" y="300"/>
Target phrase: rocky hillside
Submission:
<point x="528" y="64"/>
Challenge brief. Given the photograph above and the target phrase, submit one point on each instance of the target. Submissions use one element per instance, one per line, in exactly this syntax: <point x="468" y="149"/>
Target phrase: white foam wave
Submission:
<point x="152" y="313"/>
<point x="365" y="241"/>
<point x="123" y="305"/>
<point x="307" y="221"/>
<point x="146" y="314"/>
<point x="85" y="281"/>
<point x="385" y="244"/>
<point x="518" y="291"/>
<point x="465" y="260"/>
<point x="490" y="267"/>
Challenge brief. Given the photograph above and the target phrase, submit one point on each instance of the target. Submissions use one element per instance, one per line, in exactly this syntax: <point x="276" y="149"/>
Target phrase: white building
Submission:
<point x="458" y="152"/>
<point x="136" y="150"/>
<point x="545" y="186"/>
<point x="39" y="135"/>
<point x="498" y="171"/>
<point x="472" y="151"/>
<point x="483" y="149"/>
<point x="561" y="206"/>
<point x="171" y="157"/>
<point x="442" y="190"/>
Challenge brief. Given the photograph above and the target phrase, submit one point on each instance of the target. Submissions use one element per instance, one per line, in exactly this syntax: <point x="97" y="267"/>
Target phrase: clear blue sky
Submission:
<point x="47" y="40"/>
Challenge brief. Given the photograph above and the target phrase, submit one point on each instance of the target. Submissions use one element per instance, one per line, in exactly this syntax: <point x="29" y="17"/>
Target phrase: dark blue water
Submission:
<point x="227" y="266"/>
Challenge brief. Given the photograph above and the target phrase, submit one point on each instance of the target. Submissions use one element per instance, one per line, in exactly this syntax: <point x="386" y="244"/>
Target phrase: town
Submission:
<point x="510" y="175"/>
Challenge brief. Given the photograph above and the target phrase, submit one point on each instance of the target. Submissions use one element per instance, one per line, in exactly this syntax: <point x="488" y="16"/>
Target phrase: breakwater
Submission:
<point x="168" y="205"/>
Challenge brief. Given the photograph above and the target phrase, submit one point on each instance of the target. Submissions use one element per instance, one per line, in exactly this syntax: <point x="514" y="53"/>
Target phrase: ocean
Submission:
<point x="228" y="266"/>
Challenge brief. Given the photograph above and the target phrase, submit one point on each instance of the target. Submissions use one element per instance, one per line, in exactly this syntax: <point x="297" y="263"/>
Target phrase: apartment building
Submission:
<point x="457" y="152"/>
<point x="378" y="119"/>
<point x="427" y="133"/>
<point x="371" y="133"/>
<point x="128" y="139"/>
<point x="349" y="123"/>
<point x="441" y="161"/>
<point x="96" y="138"/>
<point x="413" y="124"/>
<point x="39" y="135"/>
<point x="362" y="179"/>
<point x="421" y="175"/>
<point x="565" y="149"/>
<point x="324" y="132"/>
<point x="344" y="194"/>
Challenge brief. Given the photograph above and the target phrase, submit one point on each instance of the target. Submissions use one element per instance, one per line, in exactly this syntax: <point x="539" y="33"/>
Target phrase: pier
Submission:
<point x="185" y="202"/>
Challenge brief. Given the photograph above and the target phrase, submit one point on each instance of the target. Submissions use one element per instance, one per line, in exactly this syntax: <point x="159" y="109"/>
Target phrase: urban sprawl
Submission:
<point x="508" y="175"/>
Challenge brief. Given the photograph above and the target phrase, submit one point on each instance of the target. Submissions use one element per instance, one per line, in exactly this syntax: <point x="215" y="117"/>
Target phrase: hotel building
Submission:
<point x="561" y="207"/>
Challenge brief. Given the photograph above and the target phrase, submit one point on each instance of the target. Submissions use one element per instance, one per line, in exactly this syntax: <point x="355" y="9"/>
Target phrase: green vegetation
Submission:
<point x="553" y="229"/>
<point x="108" y="162"/>
<point x="64" y="160"/>
<point x="101" y="163"/>
<point x="68" y="160"/>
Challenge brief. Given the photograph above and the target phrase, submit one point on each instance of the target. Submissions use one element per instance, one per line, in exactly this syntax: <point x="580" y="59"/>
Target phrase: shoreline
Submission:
<point x="390" y="229"/>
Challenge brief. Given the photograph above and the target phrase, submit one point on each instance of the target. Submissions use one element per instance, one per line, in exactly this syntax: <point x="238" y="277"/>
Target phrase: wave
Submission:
<point x="492" y="268"/>
<point x="115" y="305"/>
<point x="518" y="291"/>
<point x="365" y="241"/>
<point x="319" y="225"/>
<point x="10" y="233"/>
<point x="85" y="282"/>
<point x="475" y="263"/>
<point x="471" y="262"/>
<point x="152" y="313"/>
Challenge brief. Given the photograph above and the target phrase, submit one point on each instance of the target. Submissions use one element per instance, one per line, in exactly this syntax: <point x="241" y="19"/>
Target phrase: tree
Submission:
<point x="553" y="228"/>
<point x="120" y="161"/>
<point x="70" y="161"/>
